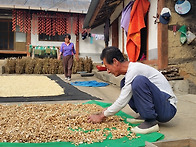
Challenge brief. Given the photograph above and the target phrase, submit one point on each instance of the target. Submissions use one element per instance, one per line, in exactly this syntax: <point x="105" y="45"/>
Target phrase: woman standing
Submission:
<point x="67" y="50"/>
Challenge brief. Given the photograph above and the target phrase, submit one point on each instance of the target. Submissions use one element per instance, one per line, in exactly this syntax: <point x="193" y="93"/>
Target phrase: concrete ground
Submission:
<point x="181" y="126"/>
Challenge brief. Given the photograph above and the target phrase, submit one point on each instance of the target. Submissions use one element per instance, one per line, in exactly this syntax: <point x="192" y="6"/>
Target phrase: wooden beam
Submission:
<point x="28" y="43"/>
<point x="101" y="2"/>
<point x="123" y="37"/>
<point x="115" y="33"/>
<point x="77" y="47"/>
<point x="12" y="52"/>
<point x="149" y="62"/>
<point x="162" y="40"/>
<point x="123" y="42"/>
<point x="114" y="3"/>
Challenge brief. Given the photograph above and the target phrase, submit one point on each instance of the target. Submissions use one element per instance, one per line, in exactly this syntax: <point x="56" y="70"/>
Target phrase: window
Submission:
<point x="20" y="36"/>
<point x="44" y="37"/>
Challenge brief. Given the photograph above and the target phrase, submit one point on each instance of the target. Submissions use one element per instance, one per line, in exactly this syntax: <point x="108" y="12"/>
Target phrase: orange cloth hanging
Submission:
<point x="138" y="12"/>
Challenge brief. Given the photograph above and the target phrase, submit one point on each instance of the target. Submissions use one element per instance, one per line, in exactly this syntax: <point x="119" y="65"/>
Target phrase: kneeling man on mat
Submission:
<point x="143" y="88"/>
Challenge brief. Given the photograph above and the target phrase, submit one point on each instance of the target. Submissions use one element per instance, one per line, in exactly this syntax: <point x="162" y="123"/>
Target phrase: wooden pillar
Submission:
<point x="162" y="40"/>
<point x="77" y="46"/>
<point x="28" y="43"/>
<point x="123" y="37"/>
<point x="115" y="33"/>
<point x="123" y="42"/>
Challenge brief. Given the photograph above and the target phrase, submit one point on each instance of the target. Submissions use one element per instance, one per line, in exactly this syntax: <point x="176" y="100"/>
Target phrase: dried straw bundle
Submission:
<point x="10" y="66"/>
<point x="30" y="64"/>
<point x="54" y="65"/>
<point x="38" y="66"/>
<point x="20" y="65"/>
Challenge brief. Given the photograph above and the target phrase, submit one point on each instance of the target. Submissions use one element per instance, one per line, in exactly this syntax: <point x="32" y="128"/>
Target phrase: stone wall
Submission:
<point x="183" y="56"/>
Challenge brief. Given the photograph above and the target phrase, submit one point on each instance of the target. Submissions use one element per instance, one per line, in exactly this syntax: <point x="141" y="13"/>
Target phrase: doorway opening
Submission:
<point x="6" y="35"/>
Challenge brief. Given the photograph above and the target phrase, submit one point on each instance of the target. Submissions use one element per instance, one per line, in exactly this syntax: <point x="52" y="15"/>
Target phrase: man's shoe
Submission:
<point x="69" y="79"/>
<point x="146" y="127"/>
<point x="137" y="120"/>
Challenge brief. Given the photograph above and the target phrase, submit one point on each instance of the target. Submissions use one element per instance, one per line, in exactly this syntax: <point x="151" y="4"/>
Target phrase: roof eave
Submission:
<point x="39" y="8"/>
<point x="93" y="10"/>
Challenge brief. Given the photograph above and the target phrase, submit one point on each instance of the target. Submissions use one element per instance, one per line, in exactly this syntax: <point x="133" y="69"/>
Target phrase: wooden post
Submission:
<point x="123" y="43"/>
<point x="33" y="53"/>
<point x="115" y="33"/>
<point x="123" y="37"/>
<point x="77" y="46"/>
<point x="162" y="40"/>
<point x="28" y="43"/>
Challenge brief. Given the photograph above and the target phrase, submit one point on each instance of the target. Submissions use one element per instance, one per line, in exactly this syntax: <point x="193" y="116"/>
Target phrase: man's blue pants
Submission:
<point x="149" y="101"/>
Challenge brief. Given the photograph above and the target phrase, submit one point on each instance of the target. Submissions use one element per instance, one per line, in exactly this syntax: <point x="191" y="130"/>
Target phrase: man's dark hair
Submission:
<point x="109" y="53"/>
<point x="68" y="36"/>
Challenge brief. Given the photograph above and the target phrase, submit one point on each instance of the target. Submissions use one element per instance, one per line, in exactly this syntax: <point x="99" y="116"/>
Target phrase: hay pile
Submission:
<point x="54" y="65"/>
<point x="20" y="65"/>
<point x="82" y="64"/>
<point x="88" y="64"/>
<point x="78" y="65"/>
<point x="10" y="66"/>
<point x="46" y="66"/>
<point x="38" y="66"/>
<point x="27" y="65"/>
<point x="58" y="122"/>
<point x="60" y="69"/>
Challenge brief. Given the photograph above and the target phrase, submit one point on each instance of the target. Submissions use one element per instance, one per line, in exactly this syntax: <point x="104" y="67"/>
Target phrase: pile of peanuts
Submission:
<point x="36" y="123"/>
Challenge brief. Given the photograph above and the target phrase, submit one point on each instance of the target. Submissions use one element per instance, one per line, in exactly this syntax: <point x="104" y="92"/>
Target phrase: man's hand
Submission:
<point x="96" y="118"/>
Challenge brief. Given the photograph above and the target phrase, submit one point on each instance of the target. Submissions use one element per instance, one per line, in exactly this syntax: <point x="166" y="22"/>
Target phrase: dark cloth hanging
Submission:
<point x="106" y="31"/>
<point x="84" y="34"/>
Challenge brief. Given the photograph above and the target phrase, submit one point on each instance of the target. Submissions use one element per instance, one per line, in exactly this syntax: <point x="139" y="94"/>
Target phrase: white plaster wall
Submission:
<point x="92" y="50"/>
<point x="120" y="37"/>
<point x="85" y="47"/>
<point x="152" y="31"/>
<point x="110" y="37"/>
<point x="120" y="40"/>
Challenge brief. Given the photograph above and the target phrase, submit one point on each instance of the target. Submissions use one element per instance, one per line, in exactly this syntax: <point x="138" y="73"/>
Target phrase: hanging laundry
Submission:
<point x="126" y="16"/>
<point x="106" y="31"/>
<point x="84" y="34"/>
<point x="138" y="12"/>
<point x="190" y="37"/>
<point x="98" y="36"/>
<point x="183" y="31"/>
<point x="91" y="40"/>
